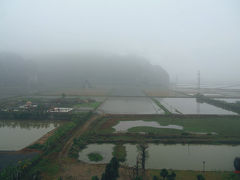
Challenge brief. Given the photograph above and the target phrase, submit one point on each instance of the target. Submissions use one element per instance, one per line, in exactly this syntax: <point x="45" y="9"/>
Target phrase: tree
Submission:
<point x="164" y="173"/>
<point x="171" y="176"/>
<point x="95" y="178"/>
<point x="138" y="178"/>
<point x="142" y="148"/>
<point x="111" y="170"/>
<point x="63" y="95"/>
<point x="200" y="177"/>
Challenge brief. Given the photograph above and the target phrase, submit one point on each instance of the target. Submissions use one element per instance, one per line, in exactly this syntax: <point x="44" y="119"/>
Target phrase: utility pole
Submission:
<point x="199" y="81"/>
<point x="176" y="83"/>
<point x="204" y="166"/>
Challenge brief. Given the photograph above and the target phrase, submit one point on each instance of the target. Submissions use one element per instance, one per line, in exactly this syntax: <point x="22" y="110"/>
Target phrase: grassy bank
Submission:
<point x="196" y="129"/>
<point x="192" y="175"/>
<point x="91" y="105"/>
<point x="46" y="163"/>
<point x="161" y="106"/>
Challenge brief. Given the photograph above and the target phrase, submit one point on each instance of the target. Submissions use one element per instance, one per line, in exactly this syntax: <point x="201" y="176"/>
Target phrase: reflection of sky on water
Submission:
<point x="177" y="156"/>
<point x="15" y="135"/>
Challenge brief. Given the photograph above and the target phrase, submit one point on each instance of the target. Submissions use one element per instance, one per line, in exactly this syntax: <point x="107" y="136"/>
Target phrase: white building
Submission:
<point x="59" y="109"/>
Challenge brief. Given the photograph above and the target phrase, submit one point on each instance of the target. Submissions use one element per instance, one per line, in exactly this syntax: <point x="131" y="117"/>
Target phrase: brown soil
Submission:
<point x="76" y="134"/>
<point x="44" y="138"/>
<point x="83" y="171"/>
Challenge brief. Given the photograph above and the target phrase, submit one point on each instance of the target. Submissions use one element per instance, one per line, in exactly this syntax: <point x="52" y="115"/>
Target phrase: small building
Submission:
<point x="60" y="109"/>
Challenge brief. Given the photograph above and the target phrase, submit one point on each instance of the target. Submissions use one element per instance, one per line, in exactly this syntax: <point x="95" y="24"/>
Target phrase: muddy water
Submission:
<point x="191" y="106"/>
<point x="130" y="105"/>
<point x="123" y="126"/>
<point x="15" y="135"/>
<point x="178" y="156"/>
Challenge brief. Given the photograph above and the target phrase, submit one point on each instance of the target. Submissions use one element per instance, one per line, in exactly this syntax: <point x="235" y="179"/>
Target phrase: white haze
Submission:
<point x="183" y="36"/>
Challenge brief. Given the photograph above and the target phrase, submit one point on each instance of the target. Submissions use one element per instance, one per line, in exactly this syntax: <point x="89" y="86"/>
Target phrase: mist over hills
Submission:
<point x="84" y="71"/>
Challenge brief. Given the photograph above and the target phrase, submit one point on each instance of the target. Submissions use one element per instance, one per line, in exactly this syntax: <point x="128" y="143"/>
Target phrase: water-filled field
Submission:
<point x="229" y="100"/>
<point x="130" y="105"/>
<point x="177" y="156"/>
<point x="15" y="135"/>
<point x="191" y="106"/>
<point x="123" y="126"/>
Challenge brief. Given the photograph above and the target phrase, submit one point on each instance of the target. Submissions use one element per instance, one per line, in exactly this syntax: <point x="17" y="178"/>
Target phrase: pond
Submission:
<point x="123" y="126"/>
<point x="191" y="106"/>
<point x="15" y="135"/>
<point x="130" y="105"/>
<point x="177" y="156"/>
<point x="12" y="158"/>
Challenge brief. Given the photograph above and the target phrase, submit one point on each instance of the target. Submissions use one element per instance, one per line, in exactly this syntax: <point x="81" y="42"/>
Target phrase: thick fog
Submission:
<point x="182" y="36"/>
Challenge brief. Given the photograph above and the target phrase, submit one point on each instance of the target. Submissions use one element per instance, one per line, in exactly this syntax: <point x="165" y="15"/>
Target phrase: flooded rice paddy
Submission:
<point x="177" y="156"/>
<point x="191" y="106"/>
<point x="130" y="105"/>
<point x="15" y="135"/>
<point x="123" y="126"/>
<point x="229" y="100"/>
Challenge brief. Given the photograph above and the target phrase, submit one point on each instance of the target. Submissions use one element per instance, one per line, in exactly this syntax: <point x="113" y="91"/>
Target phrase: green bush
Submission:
<point x="95" y="157"/>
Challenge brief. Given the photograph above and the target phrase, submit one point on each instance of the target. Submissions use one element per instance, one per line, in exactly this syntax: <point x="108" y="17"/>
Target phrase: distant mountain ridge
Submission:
<point x="80" y="70"/>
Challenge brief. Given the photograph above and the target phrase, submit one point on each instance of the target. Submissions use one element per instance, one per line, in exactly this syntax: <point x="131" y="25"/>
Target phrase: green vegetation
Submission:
<point x="153" y="130"/>
<point x="90" y="104"/>
<point x="34" y="108"/>
<point x="161" y="106"/>
<point x="53" y="143"/>
<point x="234" y="107"/>
<point x="20" y="170"/>
<point x="95" y="157"/>
<point x="111" y="170"/>
<point x="222" y="125"/>
<point x="200" y="177"/>
<point x="78" y="144"/>
<point x="196" y="129"/>
<point x="43" y="163"/>
<point x="119" y="151"/>
<point x="192" y="175"/>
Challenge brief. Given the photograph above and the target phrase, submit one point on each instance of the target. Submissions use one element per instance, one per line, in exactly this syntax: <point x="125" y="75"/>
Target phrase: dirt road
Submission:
<point x="78" y="132"/>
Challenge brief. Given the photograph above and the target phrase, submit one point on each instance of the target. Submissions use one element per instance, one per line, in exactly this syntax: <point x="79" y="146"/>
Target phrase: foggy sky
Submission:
<point x="183" y="36"/>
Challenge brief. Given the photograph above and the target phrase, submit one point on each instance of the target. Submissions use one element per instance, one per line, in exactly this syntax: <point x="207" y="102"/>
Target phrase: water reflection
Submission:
<point x="177" y="156"/>
<point x="27" y="124"/>
<point x="15" y="135"/>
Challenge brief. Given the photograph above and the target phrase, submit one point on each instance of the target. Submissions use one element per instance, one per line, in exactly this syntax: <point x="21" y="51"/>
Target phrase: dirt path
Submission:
<point x="79" y="131"/>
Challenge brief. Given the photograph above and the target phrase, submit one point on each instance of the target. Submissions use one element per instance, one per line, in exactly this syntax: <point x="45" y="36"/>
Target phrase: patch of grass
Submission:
<point x="160" y="131"/>
<point x="224" y="126"/>
<point x="119" y="151"/>
<point x="36" y="146"/>
<point x="49" y="167"/>
<point x="91" y="104"/>
<point x="192" y="175"/>
<point x="161" y="106"/>
<point x="95" y="157"/>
